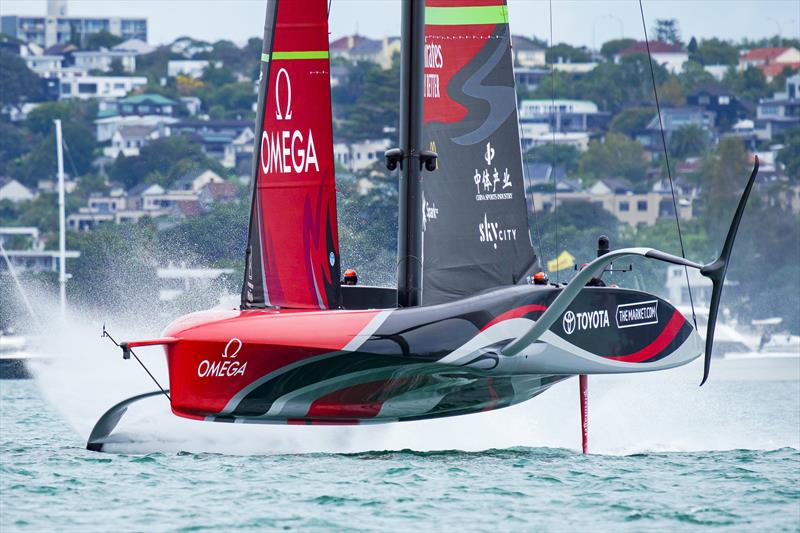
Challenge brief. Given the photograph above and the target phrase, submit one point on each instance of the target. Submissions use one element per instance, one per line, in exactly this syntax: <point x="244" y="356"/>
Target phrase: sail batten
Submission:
<point x="293" y="250"/>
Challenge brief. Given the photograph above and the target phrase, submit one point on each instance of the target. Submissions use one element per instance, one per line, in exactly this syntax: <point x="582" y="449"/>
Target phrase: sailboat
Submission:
<point x="465" y="330"/>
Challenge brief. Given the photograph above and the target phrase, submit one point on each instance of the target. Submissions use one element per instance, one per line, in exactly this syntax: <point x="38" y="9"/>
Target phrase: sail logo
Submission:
<point x="572" y="322"/>
<point x="637" y="314"/>
<point x="489" y="156"/>
<point x="226" y="368"/>
<point x="434" y="60"/>
<point x="491" y="185"/>
<point x="492" y="232"/>
<point x="283" y="75"/>
<point x="286" y="151"/>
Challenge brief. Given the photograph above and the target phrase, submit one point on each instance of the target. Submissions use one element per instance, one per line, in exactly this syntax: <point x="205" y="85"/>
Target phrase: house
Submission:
<point x="563" y="115"/>
<point x="14" y="191"/>
<point x="146" y="104"/>
<point x="115" y="201"/>
<point x="362" y="154"/>
<point x="87" y="87"/>
<point x="538" y="134"/>
<point x="128" y="140"/>
<point x="359" y="48"/>
<point x="610" y="186"/>
<point x="240" y="150"/>
<point x="670" y="56"/>
<point x="137" y="46"/>
<point x="530" y="78"/>
<point x="193" y="104"/>
<point x="781" y="112"/>
<point x="105" y="59"/>
<point x="215" y="192"/>
<point x="188" y="67"/>
<point x="196" y="180"/>
<point x="56" y="27"/>
<point x="214" y="135"/>
<point x="340" y="75"/>
<point x="108" y="125"/>
<point x="44" y="64"/>
<point x="526" y="53"/>
<point x="34" y="258"/>
<point x="142" y="197"/>
<point x="674" y="118"/>
<point x="87" y="219"/>
<point x="771" y="61"/>
<point x="728" y="108"/>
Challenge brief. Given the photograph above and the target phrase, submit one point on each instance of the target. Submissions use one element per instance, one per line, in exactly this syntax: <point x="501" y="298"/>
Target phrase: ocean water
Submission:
<point x="667" y="458"/>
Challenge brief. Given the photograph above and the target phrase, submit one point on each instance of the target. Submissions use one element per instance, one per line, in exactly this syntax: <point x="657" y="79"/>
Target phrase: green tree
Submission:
<point x="217" y="76"/>
<point x="14" y="143"/>
<point x="670" y="93"/>
<point x="632" y="120"/>
<point x="688" y="141"/>
<point x="171" y="156"/>
<point x="18" y="84"/>
<point x="720" y="174"/>
<point x="715" y="52"/>
<point x="610" y="48"/>
<point x="667" y="31"/>
<point x="101" y="39"/>
<point x="370" y="102"/>
<point x="41" y="162"/>
<point x="616" y="157"/>
<point x="565" y="53"/>
<point x="750" y="84"/>
<point x="40" y="120"/>
<point x="565" y="155"/>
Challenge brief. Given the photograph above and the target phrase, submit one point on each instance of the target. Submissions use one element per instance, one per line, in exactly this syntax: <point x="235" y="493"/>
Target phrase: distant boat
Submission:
<point x="14" y="356"/>
<point x="468" y="329"/>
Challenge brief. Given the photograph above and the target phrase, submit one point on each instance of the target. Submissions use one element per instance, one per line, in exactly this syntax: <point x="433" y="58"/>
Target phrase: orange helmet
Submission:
<point x="350" y="277"/>
<point x="540" y="278"/>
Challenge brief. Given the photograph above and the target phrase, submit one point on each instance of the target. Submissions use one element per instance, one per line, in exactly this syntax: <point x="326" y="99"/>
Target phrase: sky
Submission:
<point x="578" y="22"/>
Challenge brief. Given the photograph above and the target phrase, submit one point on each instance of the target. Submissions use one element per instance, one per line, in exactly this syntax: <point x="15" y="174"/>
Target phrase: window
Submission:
<point x="87" y="88"/>
<point x="703" y="100"/>
<point x="724" y="100"/>
<point x="641" y="205"/>
<point x="624" y="206"/>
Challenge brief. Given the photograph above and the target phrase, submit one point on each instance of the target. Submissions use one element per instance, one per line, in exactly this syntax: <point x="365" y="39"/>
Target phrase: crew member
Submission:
<point x="594" y="282"/>
<point x="540" y="278"/>
<point x="350" y="277"/>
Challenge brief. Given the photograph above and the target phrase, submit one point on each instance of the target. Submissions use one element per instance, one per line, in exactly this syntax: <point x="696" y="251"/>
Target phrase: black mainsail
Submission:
<point x="475" y="212"/>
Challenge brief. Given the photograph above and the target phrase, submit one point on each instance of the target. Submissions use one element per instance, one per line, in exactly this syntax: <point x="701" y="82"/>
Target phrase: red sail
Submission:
<point x="293" y="252"/>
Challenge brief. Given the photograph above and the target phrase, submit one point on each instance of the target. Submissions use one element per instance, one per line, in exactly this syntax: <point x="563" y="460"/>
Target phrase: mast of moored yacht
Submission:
<point x="62" y="240"/>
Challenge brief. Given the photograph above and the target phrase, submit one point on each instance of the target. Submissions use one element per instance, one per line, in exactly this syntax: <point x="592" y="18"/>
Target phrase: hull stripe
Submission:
<point x="661" y="342"/>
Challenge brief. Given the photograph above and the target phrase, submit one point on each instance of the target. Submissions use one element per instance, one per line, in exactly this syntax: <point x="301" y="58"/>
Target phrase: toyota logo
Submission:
<point x="568" y="322"/>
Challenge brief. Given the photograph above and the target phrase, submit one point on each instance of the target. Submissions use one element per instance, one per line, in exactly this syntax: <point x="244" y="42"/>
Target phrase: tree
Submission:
<point x="370" y="101"/>
<point x="670" y="93"/>
<point x="18" y="84"/>
<point x="789" y="155"/>
<point x="667" y="31"/>
<point x="168" y="155"/>
<point x="688" y="141"/>
<point x="40" y="162"/>
<point x="750" y="84"/>
<point x="721" y="172"/>
<point x="217" y="76"/>
<point x="101" y="39"/>
<point x="40" y="120"/>
<point x="632" y="120"/>
<point x="14" y="143"/>
<point x="565" y="53"/>
<point x="566" y="156"/>
<point x="610" y="48"/>
<point x="715" y="52"/>
<point x="616" y="157"/>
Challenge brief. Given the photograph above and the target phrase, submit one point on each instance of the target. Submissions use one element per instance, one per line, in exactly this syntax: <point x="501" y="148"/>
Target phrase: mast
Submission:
<point x="409" y="239"/>
<point x="62" y="241"/>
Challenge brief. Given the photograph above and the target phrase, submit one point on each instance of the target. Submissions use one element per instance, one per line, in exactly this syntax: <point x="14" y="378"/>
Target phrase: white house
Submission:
<point x="188" y="67"/>
<point x="11" y="189"/>
<point x="670" y="56"/>
<point x="527" y="53"/>
<point x="44" y="64"/>
<point x="107" y="126"/>
<point x="360" y="155"/>
<point x="137" y="46"/>
<point x="195" y="180"/>
<point x="128" y="140"/>
<point x="103" y="59"/>
<point x="88" y="87"/>
<point x="239" y="148"/>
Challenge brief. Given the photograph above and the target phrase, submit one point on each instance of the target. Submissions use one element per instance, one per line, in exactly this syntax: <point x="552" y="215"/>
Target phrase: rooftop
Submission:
<point x="656" y="47"/>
